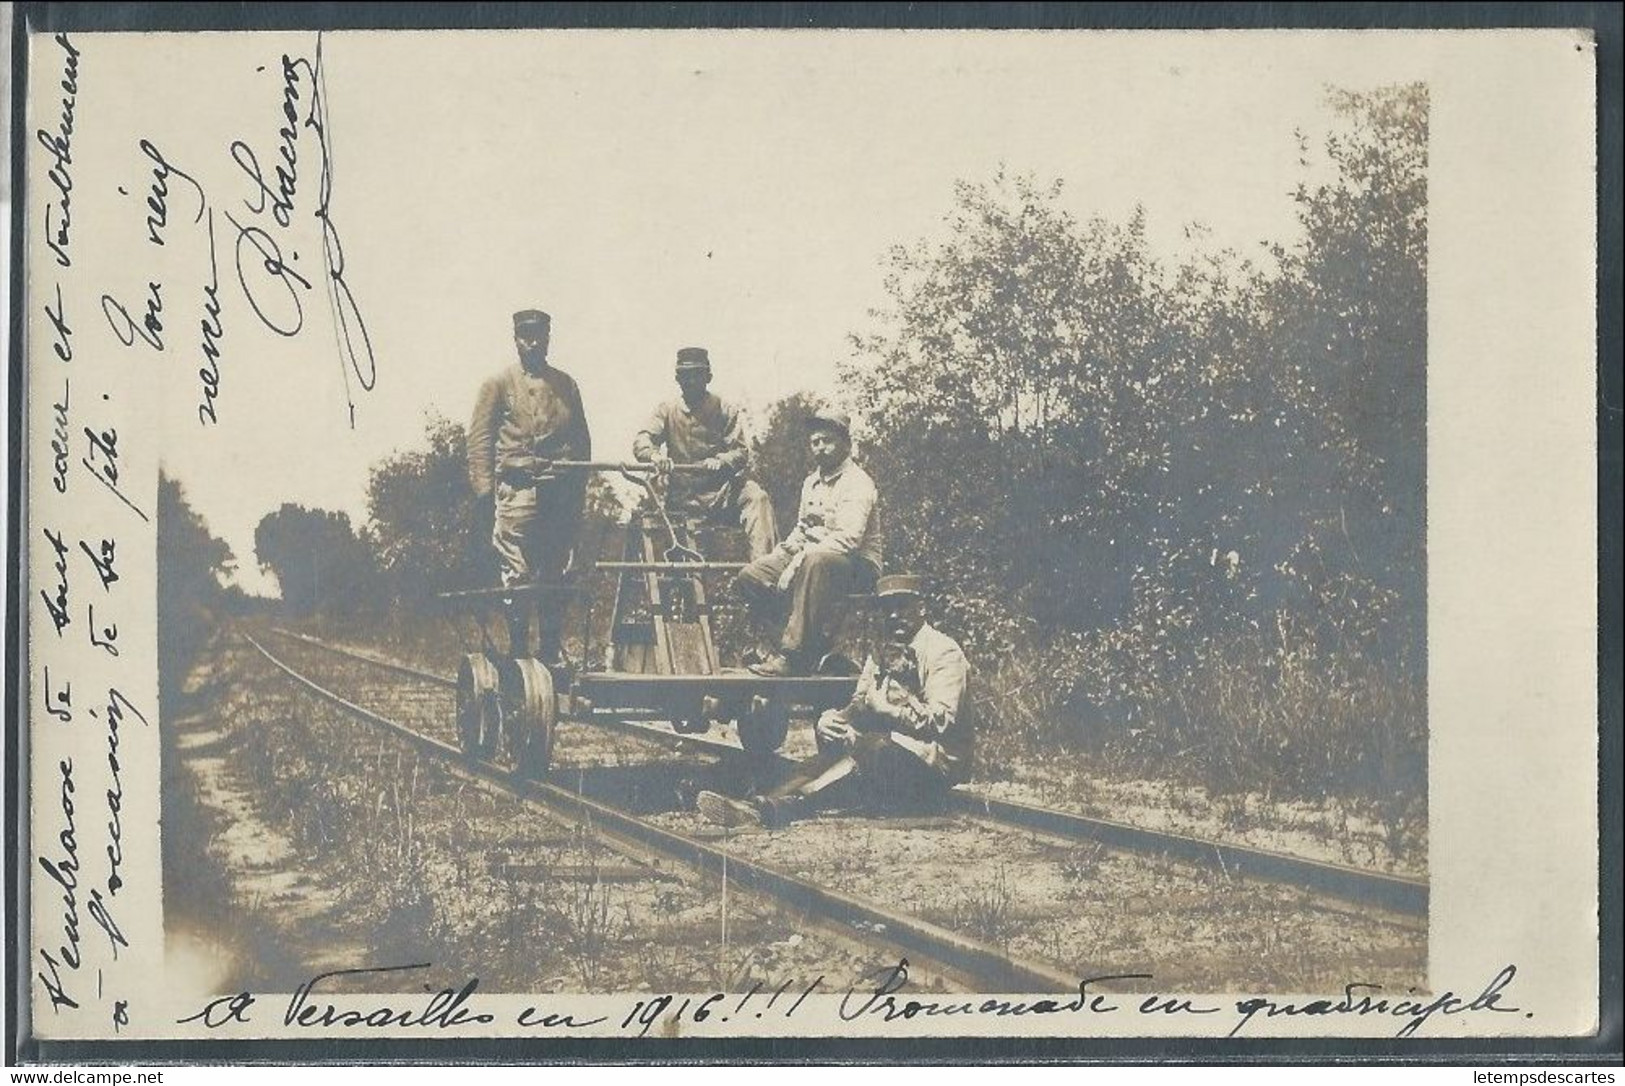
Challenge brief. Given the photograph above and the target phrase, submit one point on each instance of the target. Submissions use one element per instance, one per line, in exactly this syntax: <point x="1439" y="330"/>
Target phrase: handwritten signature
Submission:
<point x="269" y="279"/>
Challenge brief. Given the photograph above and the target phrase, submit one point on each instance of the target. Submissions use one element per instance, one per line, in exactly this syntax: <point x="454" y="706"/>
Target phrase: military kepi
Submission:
<point x="900" y="584"/>
<point x="531" y="318"/>
<point x="692" y="358"/>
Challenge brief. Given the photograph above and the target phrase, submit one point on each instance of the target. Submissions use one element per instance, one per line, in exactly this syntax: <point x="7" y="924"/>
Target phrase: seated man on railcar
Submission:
<point x="701" y="428"/>
<point x="833" y="552"/>
<point x="902" y="742"/>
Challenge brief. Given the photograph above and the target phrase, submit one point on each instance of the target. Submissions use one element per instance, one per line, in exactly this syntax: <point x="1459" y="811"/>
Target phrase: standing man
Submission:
<point x="833" y="551"/>
<point x="902" y="742"/>
<point x="701" y="428"/>
<point x="526" y="417"/>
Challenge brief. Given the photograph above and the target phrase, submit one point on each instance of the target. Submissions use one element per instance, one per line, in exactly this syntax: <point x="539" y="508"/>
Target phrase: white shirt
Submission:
<point x="839" y="514"/>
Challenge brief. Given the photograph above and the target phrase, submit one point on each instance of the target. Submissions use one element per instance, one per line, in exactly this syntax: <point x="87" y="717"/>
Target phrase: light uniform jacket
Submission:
<point x="711" y="431"/>
<point x="520" y="422"/>
<point x="839" y="514"/>
<point x="928" y="713"/>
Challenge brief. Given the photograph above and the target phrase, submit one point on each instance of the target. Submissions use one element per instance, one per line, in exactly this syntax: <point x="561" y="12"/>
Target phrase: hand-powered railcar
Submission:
<point x="662" y="663"/>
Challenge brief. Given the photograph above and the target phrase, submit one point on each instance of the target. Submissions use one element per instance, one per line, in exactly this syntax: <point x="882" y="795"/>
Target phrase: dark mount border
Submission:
<point x="1604" y="19"/>
<point x="953" y="16"/>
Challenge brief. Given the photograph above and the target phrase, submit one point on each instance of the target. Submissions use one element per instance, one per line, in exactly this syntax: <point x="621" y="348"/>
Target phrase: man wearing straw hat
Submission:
<point x="701" y="428"/>
<point x="526" y="417"/>
<point x="905" y="738"/>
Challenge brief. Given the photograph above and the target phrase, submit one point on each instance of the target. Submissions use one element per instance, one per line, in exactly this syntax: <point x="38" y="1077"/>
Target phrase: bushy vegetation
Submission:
<point x="319" y="561"/>
<point x="420" y="506"/>
<point x="1176" y="511"/>
<point x="779" y="457"/>
<point x="192" y="567"/>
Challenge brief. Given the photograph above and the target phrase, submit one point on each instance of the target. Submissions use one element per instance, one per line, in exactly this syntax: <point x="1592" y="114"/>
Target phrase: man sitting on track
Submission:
<point x="905" y="738"/>
<point x="833" y="551"/>
<point x="701" y="428"/>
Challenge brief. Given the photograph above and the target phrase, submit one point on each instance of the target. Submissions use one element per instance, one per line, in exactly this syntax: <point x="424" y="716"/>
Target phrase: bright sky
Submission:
<point x="653" y="190"/>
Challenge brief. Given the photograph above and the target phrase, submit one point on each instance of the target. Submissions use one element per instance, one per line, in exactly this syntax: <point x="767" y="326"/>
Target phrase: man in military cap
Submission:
<point x="701" y="428"/>
<point x="833" y="551"/>
<point x="525" y="418"/>
<point x="905" y="738"/>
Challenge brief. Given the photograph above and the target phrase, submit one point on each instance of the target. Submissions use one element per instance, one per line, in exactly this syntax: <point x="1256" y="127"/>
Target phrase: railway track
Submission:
<point x="1394" y="893"/>
<point x="992" y="968"/>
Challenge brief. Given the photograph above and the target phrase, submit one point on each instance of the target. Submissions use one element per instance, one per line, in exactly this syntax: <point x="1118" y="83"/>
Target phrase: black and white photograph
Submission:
<point x="654" y="533"/>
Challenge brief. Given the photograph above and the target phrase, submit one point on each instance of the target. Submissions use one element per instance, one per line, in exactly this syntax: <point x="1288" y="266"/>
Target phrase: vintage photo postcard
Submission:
<point x="649" y="534"/>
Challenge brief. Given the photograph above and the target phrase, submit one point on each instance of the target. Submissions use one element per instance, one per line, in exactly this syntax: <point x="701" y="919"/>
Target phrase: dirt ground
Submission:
<point x="331" y="848"/>
<point x="299" y="842"/>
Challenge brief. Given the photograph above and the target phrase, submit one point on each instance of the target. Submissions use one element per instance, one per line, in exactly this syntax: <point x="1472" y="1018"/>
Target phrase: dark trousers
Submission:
<point x="817" y="600"/>
<point x="747" y="505"/>
<point x="873" y="772"/>
<point x="535" y="529"/>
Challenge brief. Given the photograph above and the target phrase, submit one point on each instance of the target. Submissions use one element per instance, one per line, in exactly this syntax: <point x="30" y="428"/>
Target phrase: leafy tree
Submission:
<point x="1347" y="325"/>
<point x="780" y="459"/>
<point x="1140" y="478"/>
<point x="420" y="506"/>
<point x="320" y="565"/>
<point x="192" y="565"/>
<point x="1023" y="378"/>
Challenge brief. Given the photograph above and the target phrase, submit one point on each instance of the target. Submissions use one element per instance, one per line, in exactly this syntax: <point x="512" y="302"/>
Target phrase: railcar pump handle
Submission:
<point x="633" y="467"/>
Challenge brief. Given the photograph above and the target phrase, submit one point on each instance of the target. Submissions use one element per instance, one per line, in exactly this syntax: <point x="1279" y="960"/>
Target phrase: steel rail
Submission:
<point x="634" y="467"/>
<point x="1393" y="892"/>
<point x="1398" y="893"/>
<point x="997" y="970"/>
<point x="672" y="567"/>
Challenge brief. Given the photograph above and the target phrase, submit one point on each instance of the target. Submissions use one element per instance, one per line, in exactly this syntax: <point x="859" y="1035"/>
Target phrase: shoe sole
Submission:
<point x="725" y="811"/>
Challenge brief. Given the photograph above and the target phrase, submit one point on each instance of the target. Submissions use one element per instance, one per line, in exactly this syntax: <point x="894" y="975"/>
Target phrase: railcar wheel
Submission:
<point x="718" y="712"/>
<point x="530" y="728"/>
<point x="479" y="706"/>
<point x="764" y="725"/>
